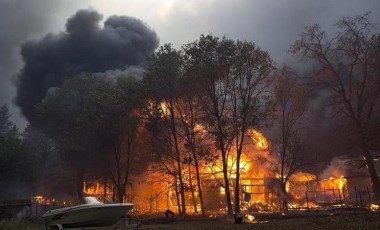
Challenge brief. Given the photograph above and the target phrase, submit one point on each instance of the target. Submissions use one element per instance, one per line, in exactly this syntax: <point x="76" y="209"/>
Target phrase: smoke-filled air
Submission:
<point x="189" y="114"/>
<point x="85" y="46"/>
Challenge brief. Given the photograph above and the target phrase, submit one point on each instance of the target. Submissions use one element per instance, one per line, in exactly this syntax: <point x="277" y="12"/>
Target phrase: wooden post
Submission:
<point x="369" y="195"/>
<point x="356" y="196"/>
<point x="307" y="201"/>
<point x="343" y="194"/>
<point x="333" y="190"/>
<point x="340" y="198"/>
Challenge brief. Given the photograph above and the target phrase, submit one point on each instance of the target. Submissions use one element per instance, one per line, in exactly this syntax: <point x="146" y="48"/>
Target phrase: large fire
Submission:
<point x="97" y="189"/>
<point x="258" y="139"/>
<point x="259" y="182"/>
<point x="338" y="183"/>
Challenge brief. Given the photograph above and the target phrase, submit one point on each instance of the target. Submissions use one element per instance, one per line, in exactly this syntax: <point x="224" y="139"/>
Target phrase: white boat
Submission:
<point x="90" y="212"/>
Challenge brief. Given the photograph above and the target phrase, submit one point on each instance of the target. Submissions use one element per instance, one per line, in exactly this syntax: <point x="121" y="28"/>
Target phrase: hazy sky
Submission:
<point x="272" y="24"/>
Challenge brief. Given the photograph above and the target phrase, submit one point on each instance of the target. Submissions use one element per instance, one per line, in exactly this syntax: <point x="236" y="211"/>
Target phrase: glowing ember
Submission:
<point x="303" y="206"/>
<point x="164" y="109"/>
<point x="199" y="128"/>
<point x="250" y="218"/>
<point x="374" y="207"/>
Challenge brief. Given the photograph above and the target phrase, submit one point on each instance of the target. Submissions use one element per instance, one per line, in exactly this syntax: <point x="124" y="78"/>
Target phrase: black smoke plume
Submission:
<point x="83" y="47"/>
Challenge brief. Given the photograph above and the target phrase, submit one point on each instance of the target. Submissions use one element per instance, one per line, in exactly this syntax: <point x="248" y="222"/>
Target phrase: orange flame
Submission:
<point x="258" y="139"/>
<point x="96" y="189"/>
<point x="334" y="183"/>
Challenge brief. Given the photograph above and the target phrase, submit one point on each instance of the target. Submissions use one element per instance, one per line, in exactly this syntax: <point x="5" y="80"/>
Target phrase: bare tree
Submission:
<point x="122" y="155"/>
<point x="249" y="97"/>
<point x="192" y="133"/>
<point x="127" y="102"/>
<point x="292" y="103"/>
<point x="161" y="79"/>
<point x="349" y="68"/>
<point x="73" y="116"/>
<point x="208" y="62"/>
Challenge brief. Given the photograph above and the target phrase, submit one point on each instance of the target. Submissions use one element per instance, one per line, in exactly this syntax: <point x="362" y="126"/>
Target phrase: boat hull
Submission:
<point x="88" y="215"/>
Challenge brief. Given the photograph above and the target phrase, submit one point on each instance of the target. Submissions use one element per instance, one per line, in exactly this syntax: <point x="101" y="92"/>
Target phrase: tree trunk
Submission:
<point x="113" y="193"/>
<point x="105" y="187"/>
<point x="369" y="161"/>
<point x="284" y="205"/>
<point x="117" y="181"/>
<point x="192" y="190"/>
<point x="237" y="184"/>
<point x="181" y="187"/>
<point x="79" y="181"/>
<point x="227" y="185"/>
<point x="373" y="174"/>
<point x="120" y="193"/>
<point x="177" y="196"/>
<point x="239" y="151"/>
<point x="128" y="163"/>
<point x="199" y="186"/>
<point x="178" y="159"/>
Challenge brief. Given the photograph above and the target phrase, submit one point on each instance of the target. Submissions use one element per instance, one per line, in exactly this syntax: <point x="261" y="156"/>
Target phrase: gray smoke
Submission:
<point x="19" y="20"/>
<point x="338" y="167"/>
<point x="83" y="47"/>
<point x="136" y="72"/>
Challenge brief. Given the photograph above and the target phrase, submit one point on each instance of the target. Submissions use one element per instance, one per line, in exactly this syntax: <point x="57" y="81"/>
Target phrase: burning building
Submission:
<point x="260" y="188"/>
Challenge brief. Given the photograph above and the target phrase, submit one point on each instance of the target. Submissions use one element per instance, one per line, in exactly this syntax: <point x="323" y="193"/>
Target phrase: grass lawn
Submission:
<point x="20" y="225"/>
<point x="345" y="221"/>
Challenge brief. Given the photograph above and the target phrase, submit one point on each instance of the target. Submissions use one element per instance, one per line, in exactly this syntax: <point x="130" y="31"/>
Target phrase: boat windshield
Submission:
<point x="89" y="200"/>
<point x="106" y="200"/>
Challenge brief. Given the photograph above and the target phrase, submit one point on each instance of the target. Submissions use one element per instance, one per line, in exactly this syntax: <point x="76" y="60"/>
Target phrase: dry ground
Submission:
<point x="344" y="221"/>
